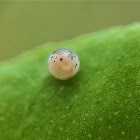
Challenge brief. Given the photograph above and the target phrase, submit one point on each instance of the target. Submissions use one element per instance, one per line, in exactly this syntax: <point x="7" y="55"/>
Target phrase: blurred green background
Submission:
<point x="25" y="25"/>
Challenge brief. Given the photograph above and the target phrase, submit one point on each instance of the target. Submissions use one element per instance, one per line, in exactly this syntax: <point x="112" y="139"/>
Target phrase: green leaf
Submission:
<point x="101" y="102"/>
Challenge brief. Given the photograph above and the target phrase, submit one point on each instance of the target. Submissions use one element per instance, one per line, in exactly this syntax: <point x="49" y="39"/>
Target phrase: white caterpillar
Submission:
<point x="63" y="64"/>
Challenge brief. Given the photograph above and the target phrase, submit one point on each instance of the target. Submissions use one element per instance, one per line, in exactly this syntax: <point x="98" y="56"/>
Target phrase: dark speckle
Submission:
<point x="54" y="61"/>
<point x="61" y="59"/>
